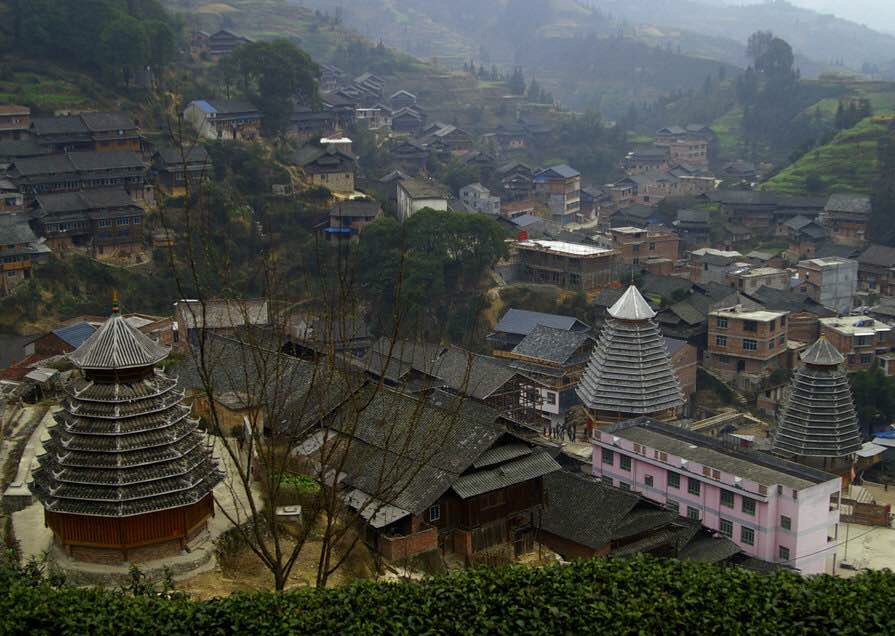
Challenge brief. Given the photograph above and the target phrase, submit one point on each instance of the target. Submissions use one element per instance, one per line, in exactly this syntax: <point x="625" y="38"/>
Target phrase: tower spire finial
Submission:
<point x="115" y="308"/>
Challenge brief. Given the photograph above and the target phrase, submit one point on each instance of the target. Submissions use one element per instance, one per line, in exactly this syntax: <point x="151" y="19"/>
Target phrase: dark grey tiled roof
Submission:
<point x="553" y="345"/>
<point x="563" y="170"/>
<point x="752" y="465"/>
<point x="501" y="454"/>
<point x="521" y="322"/>
<point x="84" y="201"/>
<point x="109" y="121"/>
<point x="175" y="156"/>
<point x="109" y="160"/>
<point x="71" y="124"/>
<point x="581" y="509"/>
<point x="853" y="203"/>
<point x="14" y="229"/>
<point x="786" y="300"/>
<point x="708" y="549"/>
<point x="880" y="255"/>
<point x="509" y="473"/>
<point x="356" y="208"/>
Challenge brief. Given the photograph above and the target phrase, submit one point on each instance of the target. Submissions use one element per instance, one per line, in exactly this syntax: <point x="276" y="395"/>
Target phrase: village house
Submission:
<point x="763" y="210"/>
<point x="216" y="318"/>
<point x="773" y="509"/>
<point x="693" y="225"/>
<point x="480" y="487"/>
<point x="410" y="155"/>
<point x="560" y="188"/>
<point x="402" y="99"/>
<point x="176" y="169"/>
<point x="845" y="216"/>
<point x="224" y="119"/>
<point x="348" y="218"/>
<point x="477" y="198"/>
<point x="746" y="344"/>
<point x="370" y="83"/>
<point x="61" y="340"/>
<point x="222" y="43"/>
<point x="88" y="131"/>
<point x="692" y="181"/>
<point x="567" y="265"/>
<point x="343" y="106"/>
<point x="650" y="187"/>
<point x="105" y="222"/>
<point x="306" y="124"/>
<point x="15" y="121"/>
<point x="749" y="279"/>
<point x="507" y="139"/>
<point x="408" y="121"/>
<point x="708" y="265"/>
<point x="876" y="270"/>
<point x="20" y="249"/>
<point x="689" y="151"/>
<point x="804" y="236"/>
<point x="327" y="167"/>
<point x="75" y="171"/>
<point x="331" y="76"/>
<point x="11" y="200"/>
<point x="416" y="194"/>
<point x="637" y="246"/>
<point x="636" y="215"/>
<point x="860" y="339"/>
<point x="517" y="180"/>
<point x="644" y="160"/>
<point x="374" y="118"/>
<point x="831" y="281"/>
<point x="551" y="361"/>
<point x="516" y="324"/>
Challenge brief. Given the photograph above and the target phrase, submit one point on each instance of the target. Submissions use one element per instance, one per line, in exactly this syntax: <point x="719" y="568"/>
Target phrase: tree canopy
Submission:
<point x="422" y="270"/>
<point x="275" y="74"/>
<point x="99" y="35"/>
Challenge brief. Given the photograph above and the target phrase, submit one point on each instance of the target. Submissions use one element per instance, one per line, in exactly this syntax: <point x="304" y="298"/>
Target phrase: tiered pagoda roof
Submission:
<point x="819" y="419"/>
<point x="630" y="371"/>
<point x="123" y="447"/>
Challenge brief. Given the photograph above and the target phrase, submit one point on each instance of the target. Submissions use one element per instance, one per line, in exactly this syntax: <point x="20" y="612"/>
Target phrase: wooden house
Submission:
<point x="175" y="169"/>
<point x="15" y="121"/>
<point x="222" y="43"/>
<point x="76" y="171"/>
<point x="224" y="119"/>
<point x="20" y="250"/>
<point x="329" y="167"/>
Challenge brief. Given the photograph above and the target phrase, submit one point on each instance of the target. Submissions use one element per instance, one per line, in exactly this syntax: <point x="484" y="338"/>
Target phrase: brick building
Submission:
<point x="638" y="246"/>
<point x="744" y="342"/>
<point x="750" y="279"/>
<point x="861" y="339"/>
<point x="567" y="265"/>
<point x="832" y="281"/>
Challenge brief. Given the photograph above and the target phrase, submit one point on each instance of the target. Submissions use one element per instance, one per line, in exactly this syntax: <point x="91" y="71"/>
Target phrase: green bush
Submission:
<point x="641" y="595"/>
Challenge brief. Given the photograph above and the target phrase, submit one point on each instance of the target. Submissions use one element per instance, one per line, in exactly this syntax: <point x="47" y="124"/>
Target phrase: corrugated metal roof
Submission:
<point x="118" y="345"/>
<point x="75" y="334"/>
<point x="514" y="472"/>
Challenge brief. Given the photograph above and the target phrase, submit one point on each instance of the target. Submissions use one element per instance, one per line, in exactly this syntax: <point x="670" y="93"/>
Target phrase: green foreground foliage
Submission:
<point x="639" y="595"/>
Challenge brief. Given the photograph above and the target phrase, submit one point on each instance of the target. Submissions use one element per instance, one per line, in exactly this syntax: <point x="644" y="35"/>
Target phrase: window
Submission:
<point x="608" y="457"/>
<point x="624" y="462"/>
<point x="721" y="323"/>
<point x="635" y="248"/>
<point x="785" y="522"/>
<point x="648" y="481"/>
<point x="137" y="220"/>
<point x="782" y="340"/>
<point x="725" y="527"/>
<point x="672" y="505"/>
<point x="624" y="486"/>
<point x="693" y="486"/>
<point x="750" y="345"/>
<point x="783" y="553"/>
<point x="865" y="358"/>
<point x="748" y="506"/>
<point x="652" y="247"/>
<point x="435" y="512"/>
<point x="607" y="480"/>
<point x="674" y="480"/>
<point x="551" y="398"/>
<point x="721" y="341"/>
<point x="860" y="341"/>
<point x="692" y="513"/>
<point x="105" y="222"/>
<point x="124" y="221"/>
<point x="727" y="499"/>
<point x="750" y="325"/>
<point x="747" y="535"/>
<point x="782" y="321"/>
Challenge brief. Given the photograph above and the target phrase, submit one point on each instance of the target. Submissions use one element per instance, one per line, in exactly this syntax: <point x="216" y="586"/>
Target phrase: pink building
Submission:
<point x="775" y="510"/>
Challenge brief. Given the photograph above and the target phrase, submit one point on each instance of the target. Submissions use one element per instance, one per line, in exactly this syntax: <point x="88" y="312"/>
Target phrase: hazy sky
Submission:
<point x="877" y="14"/>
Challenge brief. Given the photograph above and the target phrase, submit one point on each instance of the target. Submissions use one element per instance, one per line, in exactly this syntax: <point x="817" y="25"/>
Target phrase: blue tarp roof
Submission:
<point x="75" y="334"/>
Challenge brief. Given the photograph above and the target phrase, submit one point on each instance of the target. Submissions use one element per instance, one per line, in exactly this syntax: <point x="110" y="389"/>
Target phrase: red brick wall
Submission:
<point x="397" y="548"/>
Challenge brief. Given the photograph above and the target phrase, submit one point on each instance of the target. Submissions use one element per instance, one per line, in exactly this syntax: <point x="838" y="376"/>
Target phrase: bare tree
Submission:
<point x="302" y="416"/>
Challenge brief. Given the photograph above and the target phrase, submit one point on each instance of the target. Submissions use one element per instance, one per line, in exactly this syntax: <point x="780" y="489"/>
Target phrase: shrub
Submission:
<point x="641" y="595"/>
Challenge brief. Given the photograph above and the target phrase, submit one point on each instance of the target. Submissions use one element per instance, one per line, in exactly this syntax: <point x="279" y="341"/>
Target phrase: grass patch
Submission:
<point x="847" y="164"/>
<point x="727" y="129"/>
<point x="41" y="92"/>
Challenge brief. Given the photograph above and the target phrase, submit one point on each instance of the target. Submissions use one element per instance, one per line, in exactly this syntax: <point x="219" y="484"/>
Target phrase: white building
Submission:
<point x="477" y="197"/>
<point x="416" y="194"/>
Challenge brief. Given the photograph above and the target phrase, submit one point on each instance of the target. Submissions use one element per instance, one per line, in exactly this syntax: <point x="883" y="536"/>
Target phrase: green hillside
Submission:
<point x="847" y="164"/>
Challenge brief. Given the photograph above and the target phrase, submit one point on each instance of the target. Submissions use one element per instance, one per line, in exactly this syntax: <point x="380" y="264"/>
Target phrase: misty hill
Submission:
<point x="821" y="37"/>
